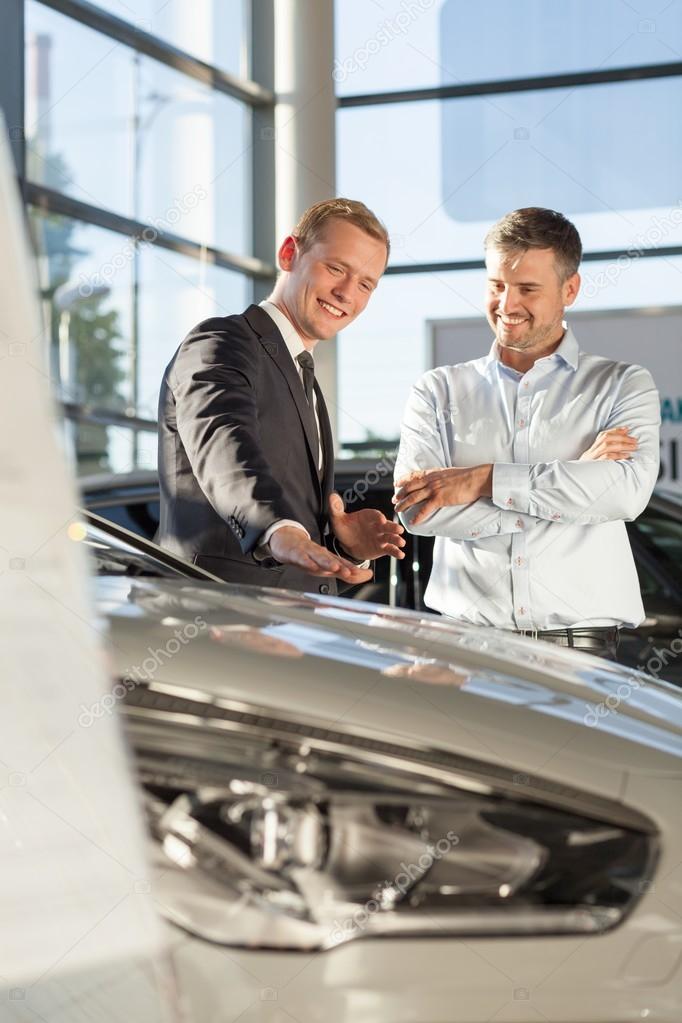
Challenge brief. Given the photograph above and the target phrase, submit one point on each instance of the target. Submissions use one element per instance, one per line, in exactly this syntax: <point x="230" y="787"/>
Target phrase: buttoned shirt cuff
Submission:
<point x="511" y="487"/>
<point x="261" y="551"/>
<point x="338" y="549"/>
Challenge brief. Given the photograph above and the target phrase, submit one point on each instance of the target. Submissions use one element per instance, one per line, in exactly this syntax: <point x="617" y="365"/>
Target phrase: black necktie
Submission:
<point x="307" y="364"/>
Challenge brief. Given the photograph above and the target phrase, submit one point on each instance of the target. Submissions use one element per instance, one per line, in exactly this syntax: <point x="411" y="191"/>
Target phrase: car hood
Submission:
<point x="399" y="675"/>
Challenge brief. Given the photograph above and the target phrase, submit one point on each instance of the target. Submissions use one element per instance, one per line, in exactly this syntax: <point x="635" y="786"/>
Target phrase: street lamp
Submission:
<point x="66" y="297"/>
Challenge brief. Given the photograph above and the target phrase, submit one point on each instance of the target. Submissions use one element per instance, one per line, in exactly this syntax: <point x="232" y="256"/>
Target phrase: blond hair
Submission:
<point x="312" y="222"/>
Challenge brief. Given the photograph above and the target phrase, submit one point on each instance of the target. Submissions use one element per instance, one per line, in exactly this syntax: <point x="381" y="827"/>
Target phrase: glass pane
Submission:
<point x="147" y="449"/>
<point x="175" y="294"/>
<point x="193" y="160"/>
<point x="86" y="281"/>
<point x="103" y="448"/>
<point x="383" y="45"/>
<point x="384" y="351"/>
<point x="78" y="110"/>
<point x="391" y="341"/>
<point x="98" y="449"/>
<point x="665" y="533"/>
<point x="649" y="586"/>
<point x="216" y="31"/>
<point x="122" y="132"/>
<point x="87" y="278"/>
<point x="470" y="161"/>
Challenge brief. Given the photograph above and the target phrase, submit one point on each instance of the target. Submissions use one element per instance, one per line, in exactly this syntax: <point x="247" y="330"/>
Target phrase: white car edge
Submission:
<point x="254" y="687"/>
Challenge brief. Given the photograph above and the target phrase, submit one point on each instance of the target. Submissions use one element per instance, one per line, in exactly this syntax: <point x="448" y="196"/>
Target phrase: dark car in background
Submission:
<point x="132" y="501"/>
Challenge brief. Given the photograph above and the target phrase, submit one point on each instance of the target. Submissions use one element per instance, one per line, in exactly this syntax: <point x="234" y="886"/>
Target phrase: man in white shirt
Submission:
<point x="246" y="459"/>
<point x="525" y="464"/>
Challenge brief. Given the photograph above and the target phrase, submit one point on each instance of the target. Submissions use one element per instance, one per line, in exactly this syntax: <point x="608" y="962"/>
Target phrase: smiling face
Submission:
<point x="324" y="288"/>
<point x="525" y="303"/>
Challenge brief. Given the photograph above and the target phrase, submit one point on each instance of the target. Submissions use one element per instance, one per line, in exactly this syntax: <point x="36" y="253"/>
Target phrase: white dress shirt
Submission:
<point x="292" y="340"/>
<point x="549" y="550"/>
<point x="295" y="346"/>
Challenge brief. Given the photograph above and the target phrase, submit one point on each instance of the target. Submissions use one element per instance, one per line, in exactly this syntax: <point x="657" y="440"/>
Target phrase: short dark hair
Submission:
<point x="351" y="210"/>
<point x="536" y="228"/>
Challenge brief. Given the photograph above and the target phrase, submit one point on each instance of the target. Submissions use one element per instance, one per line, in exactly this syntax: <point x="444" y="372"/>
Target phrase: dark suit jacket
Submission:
<point x="237" y="450"/>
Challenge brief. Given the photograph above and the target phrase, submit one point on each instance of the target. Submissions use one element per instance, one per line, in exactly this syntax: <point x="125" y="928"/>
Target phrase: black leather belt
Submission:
<point x="583" y="638"/>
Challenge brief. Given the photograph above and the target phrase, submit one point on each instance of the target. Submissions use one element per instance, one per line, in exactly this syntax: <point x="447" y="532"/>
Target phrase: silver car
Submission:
<point x="360" y="814"/>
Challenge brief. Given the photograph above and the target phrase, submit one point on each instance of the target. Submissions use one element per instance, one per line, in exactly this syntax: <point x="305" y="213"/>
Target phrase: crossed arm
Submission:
<point x="612" y="479"/>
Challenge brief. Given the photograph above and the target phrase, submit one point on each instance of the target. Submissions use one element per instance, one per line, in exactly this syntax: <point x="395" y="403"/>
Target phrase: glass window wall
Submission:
<point x="122" y="132"/>
<point x="390" y="45"/>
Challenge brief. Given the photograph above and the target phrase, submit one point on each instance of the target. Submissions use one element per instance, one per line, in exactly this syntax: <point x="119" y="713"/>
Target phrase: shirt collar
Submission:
<point x="568" y="351"/>
<point x="291" y="336"/>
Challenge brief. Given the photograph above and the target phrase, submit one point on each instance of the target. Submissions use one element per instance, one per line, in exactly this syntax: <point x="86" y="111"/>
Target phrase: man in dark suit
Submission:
<point x="246" y="460"/>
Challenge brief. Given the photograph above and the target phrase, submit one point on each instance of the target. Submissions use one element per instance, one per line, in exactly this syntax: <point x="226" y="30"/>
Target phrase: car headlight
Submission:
<point x="273" y="833"/>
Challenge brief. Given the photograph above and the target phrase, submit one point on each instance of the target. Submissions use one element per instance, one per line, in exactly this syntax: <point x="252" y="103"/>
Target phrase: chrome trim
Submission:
<point x="185" y="570"/>
<point x="188" y="708"/>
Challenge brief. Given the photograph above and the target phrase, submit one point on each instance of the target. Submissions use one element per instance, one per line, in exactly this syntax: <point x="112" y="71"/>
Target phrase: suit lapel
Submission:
<point x="327" y="441"/>
<point x="274" y="344"/>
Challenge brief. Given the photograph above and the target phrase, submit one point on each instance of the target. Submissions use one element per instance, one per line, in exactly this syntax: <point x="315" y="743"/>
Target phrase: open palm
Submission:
<point x="365" y="534"/>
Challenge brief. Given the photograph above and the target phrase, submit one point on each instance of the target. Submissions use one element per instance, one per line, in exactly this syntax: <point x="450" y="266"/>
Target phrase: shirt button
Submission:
<point x="522" y="423"/>
<point x="556" y="515"/>
<point x="522" y="611"/>
<point x="525" y="384"/>
<point x="510" y="500"/>
<point x="519" y="523"/>
<point x="519" y="561"/>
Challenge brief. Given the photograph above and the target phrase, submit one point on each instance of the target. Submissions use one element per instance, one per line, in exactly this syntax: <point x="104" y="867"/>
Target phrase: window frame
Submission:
<point x="257" y="95"/>
<point x="572" y="80"/>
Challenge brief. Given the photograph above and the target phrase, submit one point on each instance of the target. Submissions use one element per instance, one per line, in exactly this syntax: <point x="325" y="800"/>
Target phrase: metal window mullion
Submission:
<point x="607" y="255"/>
<point x="262" y="199"/>
<point x="12" y="56"/>
<point x="48" y="200"/>
<point x="79" y="413"/>
<point x="569" y="80"/>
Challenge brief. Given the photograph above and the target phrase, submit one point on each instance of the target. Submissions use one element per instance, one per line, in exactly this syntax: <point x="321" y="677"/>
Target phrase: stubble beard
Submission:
<point x="539" y="337"/>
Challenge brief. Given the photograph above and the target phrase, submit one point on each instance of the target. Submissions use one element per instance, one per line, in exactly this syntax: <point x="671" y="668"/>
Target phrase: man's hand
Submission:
<point x="365" y="534"/>
<point x="440" y="488"/>
<point x="291" y="546"/>
<point x="611" y="445"/>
